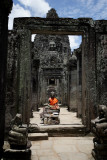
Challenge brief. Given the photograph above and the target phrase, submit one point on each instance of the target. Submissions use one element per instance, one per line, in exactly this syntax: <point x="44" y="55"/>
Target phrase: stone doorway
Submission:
<point x="23" y="29"/>
<point x="55" y="67"/>
<point x="58" y="70"/>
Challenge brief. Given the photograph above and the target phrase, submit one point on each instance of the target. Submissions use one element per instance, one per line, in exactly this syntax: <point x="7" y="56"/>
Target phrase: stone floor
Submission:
<point x="66" y="118"/>
<point x="63" y="148"/>
<point x="69" y="125"/>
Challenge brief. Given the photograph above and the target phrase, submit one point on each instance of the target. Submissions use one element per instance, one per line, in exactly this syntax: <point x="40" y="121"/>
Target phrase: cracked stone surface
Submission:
<point x="63" y="148"/>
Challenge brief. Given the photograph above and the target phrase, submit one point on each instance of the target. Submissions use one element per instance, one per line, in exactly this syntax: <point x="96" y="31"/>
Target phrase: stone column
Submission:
<point x="35" y="85"/>
<point x="63" y="89"/>
<point x="91" y="78"/>
<point x="84" y="80"/>
<point x="101" y="66"/>
<point x="88" y="77"/>
<point x="60" y="90"/>
<point x="79" y="84"/>
<point x="40" y="85"/>
<point x="5" y="8"/>
<point x="11" y="81"/>
<point x="24" y="89"/>
<point x="73" y="84"/>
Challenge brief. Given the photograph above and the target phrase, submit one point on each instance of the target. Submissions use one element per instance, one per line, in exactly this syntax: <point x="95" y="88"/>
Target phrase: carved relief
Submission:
<point x="102" y="69"/>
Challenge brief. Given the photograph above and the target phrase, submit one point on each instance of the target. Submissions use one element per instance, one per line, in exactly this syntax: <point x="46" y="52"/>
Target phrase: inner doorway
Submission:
<point x="57" y="70"/>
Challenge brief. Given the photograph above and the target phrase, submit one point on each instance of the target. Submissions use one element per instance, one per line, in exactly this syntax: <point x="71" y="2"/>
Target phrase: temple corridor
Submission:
<point x="66" y="117"/>
<point x="30" y="71"/>
<point x="69" y="125"/>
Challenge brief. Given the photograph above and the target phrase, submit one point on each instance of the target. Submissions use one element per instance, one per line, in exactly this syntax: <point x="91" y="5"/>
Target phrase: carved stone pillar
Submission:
<point x="24" y="76"/>
<point x="79" y="82"/>
<point x="5" y="7"/>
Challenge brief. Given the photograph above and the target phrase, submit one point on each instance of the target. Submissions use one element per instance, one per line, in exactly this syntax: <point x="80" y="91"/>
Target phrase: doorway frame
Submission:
<point x="64" y="26"/>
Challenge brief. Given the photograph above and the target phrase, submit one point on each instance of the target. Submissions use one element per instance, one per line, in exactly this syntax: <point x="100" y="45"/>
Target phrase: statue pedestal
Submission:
<point x="99" y="156"/>
<point x="99" y="128"/>
<point x="12" y="154"/>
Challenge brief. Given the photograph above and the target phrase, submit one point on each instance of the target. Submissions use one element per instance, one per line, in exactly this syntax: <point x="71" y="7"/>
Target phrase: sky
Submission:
<point x="96" y="9"/>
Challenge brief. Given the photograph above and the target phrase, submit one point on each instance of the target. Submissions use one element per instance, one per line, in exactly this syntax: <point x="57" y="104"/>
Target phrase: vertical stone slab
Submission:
<point x="91" y="77"/>
<point x="85" y="50"/>
<point x="101" y="49"/>
<point x="88" y="77"/>
<point x="79" y="80"/>
<point x="73" y="86"/>
<point x="35" y="85"/>
<point x="11" y="83"/>
<point x="5" y="7"/>
<point x="24" y="102"/>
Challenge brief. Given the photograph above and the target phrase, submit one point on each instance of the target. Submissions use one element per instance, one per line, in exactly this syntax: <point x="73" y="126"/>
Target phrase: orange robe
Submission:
<point x="53" y="101"/>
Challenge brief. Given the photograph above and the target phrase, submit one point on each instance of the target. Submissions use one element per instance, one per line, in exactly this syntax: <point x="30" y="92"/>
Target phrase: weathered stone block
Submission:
<point x="37" y="136"/>
<point x="12" y="154"/>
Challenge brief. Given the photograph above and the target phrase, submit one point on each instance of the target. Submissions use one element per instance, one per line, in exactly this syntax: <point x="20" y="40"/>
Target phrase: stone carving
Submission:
<point x="52" y="14"/>
<point x="102" y="69"/>
<point x="99" y="128"/>
<point x="18" y="133"/>
<point x="54" y="53"/>
<point x="18" y="140"/>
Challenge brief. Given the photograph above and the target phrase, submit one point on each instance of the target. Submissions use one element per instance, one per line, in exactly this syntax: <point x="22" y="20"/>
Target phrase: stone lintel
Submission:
<point x="54" y="25"/>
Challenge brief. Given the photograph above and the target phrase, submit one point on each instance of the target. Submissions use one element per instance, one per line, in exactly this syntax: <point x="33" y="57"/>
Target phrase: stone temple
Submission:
<point x="52" y="54"/>
<point x="34" y="69"/>
<point x="50" y="66"/>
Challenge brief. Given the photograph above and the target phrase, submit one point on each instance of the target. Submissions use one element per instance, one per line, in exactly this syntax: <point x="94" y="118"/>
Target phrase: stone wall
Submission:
<point x="101" y="66"/>
<point x="18" y="94"/>
<point x="5" y="8"/>
<point x="12" y="78"/>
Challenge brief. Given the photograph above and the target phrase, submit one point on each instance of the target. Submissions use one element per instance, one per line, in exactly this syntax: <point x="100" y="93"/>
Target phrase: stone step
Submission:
<point x="61" y="130"/>
<point x="37" y="136"/>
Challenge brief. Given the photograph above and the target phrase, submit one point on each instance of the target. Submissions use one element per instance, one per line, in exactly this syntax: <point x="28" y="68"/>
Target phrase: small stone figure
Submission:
<point x="99" y="128"/>
<point x="18" y="140"/>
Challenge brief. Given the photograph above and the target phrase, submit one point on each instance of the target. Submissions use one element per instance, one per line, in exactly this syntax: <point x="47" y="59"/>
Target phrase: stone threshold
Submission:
<point x="37" y="136"/>
<point x="62" y="130"/>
